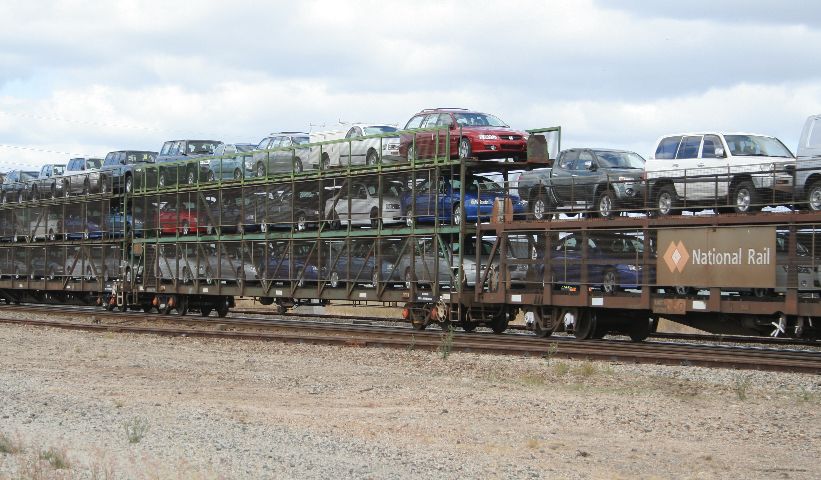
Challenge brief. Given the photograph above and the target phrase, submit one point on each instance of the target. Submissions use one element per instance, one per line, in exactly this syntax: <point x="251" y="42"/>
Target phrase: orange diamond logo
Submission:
<point x="676" y="257"/>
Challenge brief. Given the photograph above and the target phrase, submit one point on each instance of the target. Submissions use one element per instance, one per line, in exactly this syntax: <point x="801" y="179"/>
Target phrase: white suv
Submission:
<point x="730" y="171"/>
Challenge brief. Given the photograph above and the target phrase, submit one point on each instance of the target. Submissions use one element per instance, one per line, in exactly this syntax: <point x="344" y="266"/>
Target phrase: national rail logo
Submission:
<point x="676" y="256"/>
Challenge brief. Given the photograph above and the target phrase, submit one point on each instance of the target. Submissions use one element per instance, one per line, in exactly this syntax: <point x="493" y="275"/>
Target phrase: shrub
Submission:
<point x="135" y="429"/>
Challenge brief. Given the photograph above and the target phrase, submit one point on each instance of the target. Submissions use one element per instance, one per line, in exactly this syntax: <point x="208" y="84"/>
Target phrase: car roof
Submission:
<point x="716" y="133"/>
<point x="598" y="149"/>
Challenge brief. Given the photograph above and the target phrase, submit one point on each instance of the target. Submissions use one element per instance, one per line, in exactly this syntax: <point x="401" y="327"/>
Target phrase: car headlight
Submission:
<point x="488" y="137"/>
<point x="634" y="268"/>
<point x="767" y="167"/>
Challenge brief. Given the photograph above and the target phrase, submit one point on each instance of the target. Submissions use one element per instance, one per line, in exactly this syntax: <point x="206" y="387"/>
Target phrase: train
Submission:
<point x="446" y="237"/>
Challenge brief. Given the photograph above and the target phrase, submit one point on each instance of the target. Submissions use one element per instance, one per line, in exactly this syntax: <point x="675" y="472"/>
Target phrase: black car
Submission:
<point x="179" y="171"/>
<point x="15" y="185"/>
<point x="118" y="168"/>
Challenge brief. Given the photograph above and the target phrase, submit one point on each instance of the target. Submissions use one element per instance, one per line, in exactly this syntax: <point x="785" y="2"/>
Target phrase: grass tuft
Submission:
<point x="446" y="346"/>
<point x="135" y="429"/>
<point x="742" y="386"/>
<point x="56" y="458"/>
<point x="8" y="446"/>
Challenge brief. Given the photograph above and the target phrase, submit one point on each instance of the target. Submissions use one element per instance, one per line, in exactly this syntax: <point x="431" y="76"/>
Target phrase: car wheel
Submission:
<point x="334" y="279"/>
<point x="540" y="206"/>
<point x="192" y="177"/>
<point x="745" y="198"/>
<point x="161" y="181"/>
<point x="51" y="235"/>
<point x="411" y="153"/>
<point x="103" y="185"/>
<point x="86" y="188"/>
<point x="409" y="219"/>
<point x="129" y="184"/>
<point x="814" y="196"/>
<point x="260" y="170"/>
<point x="186" y="275"/>
<point x="66" y="189"/>
<point x="604" y="206"/>
<point x="465" y="149"/>
<point x="209" y="276"/>
<point x="326" y="162"/>
<point x="375" y="278"/>
<point x="458" y="213"/>
<point x="53" y="191"/>
<point x="211" y="177"/>
<point x="666" y="203"/>
<point x="263" y="227"/>
<point x="238" y="174"/>
<point x="297" y="165"/>
<point x="301" y="222"/>
<point x="33" y="195"/>
<point x="372" y="158"/>
<point x="89" y="273"/>
<point x="21" y="196"/>
<point x="335" y="223"/>
<point x="376" y="222"/>
<point x="610" y="281"/>
<point x="410" y="278"/>
<point x="184" y="228"/>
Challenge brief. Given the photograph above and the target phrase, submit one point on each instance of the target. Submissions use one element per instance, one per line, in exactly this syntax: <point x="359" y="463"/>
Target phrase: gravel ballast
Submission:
<point x="141" y="406"/>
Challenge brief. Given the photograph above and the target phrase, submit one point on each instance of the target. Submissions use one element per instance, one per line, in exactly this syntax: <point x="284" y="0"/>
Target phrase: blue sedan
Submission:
<point x="430" y="202"/>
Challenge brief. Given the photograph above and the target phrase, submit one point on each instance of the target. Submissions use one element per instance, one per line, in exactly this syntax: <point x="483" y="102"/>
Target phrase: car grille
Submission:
<point x="512" y="146"/>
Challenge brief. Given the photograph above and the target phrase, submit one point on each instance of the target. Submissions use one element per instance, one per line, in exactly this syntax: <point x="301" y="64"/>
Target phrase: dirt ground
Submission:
<point x="90" y="405"/>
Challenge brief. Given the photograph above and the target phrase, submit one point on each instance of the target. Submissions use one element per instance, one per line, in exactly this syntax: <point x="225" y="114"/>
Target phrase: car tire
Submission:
<point x="457" y="215"/>
<point x="410" y="220"/>
<point x="410" y="278"/>
<point x="333" y="279"/>
<point x="301" y="223"/>
<point x="191" y="177"/>
<point x="66" y="189"/>
<point x="161" y="182"/>
<point x="184" y="228"/>
<point x="129" y="184"/>
<point x="814" y="197"/>
<point x="610" y="281"/>
<point x="326" y="162"/>
<point x="297" y="165"/>
<point x="745" y="198"/>
<point x="260" y="170"/>
<point x="605" y="204"/>
<point x="411" y="153"/>
<point x="376" y="221"/>
<point x="211" y="177"/>
<point x="666" y="201"/>
<point x="465" y="149"/>
<point x="237" y="174"/>
<point x="372" y="158"/>
<point x="540" y="206"/>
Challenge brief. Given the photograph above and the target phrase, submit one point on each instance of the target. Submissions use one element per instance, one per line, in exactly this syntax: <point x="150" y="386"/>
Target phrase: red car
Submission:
<point x="472" y="135"/>
<point x="182" y="219"/>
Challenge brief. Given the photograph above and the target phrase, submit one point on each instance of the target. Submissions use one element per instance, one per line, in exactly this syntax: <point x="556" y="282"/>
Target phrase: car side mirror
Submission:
<point x="593" y="167"/>
<point x="720" y="152"/>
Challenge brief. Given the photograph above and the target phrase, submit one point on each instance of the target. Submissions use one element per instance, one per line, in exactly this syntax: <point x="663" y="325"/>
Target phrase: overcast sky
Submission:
<point x="84" y="78"/>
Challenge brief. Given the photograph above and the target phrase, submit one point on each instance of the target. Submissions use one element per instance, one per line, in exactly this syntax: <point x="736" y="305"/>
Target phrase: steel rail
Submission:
<point x="403" y="337"/>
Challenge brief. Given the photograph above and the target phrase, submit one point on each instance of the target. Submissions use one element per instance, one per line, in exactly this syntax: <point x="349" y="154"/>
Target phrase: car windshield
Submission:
<point x="243" y="147"/>
<point x="756" y="146"/>
<point x="477" y="183"/>
<point x="93" y="163"/>
<point x="301" y="140"/>
<point x="376" y="130"/>
<point x="28" y="175"/>
<point x="478" y="120"/>
<point x="619" y="244"/>
<point x="389" y="189"/>
<point x="58" y="169"/>
<point x="610" y="159"/>
<point x="198" y="147"/>
<point x="470" y="248"/>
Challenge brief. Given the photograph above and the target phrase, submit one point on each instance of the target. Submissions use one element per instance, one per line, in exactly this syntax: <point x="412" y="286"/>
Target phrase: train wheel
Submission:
<point x="205" y="311"/>
<point x="585" y="327"/>
<point x="222" y="309"/>
<point x="640" y="330"/>
<point x="499" y="322"/>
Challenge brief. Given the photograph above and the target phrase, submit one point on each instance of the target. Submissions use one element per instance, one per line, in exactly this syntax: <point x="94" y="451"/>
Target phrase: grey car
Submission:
<point x="281" y="153"/>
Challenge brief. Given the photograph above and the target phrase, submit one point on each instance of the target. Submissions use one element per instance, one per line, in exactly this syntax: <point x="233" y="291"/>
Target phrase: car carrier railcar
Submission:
<point x="468" y="255"/>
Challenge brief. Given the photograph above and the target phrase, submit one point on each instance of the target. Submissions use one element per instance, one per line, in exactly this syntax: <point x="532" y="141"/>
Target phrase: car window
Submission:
<point x="351" y="133"/>
<point x="667" y="148"/>
<point x="111" y="159"/>
<point x="264" y="143"/>
<point x="568" y="159"/>
<point x="93" y="163"/>
<point x="229" y="149"/>
<point x="756" y="145"/>
<point x="430" y="120"/>
<point x="378" y="130"/>
<point x="689" y="147"/>
<point x="166" y="148"/>
<point x="711" y="142"/>
<point x="619" y="159"/>
<point x="58" y="170"/>
<point x="415" y="122"/>
<point x="585" y="160"/>
<point x="473" y="119"/>
<point x="284" y="142"/>
<point x="444" y="120"/>
<point x="814" y="138"/>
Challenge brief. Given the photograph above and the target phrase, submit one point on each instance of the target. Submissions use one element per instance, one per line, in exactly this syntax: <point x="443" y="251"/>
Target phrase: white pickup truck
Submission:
<point x="808" y="165"/>
<point x="738" y="172"/>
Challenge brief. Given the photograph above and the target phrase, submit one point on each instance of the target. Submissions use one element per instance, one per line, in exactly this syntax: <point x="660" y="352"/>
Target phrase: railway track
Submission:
<point x="687" y="337"/>
<point x="363" y="335"/>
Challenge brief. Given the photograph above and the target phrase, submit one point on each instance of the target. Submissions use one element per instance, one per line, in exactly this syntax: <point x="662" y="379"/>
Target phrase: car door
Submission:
<point x="425" y="140"/>
<point x="562" y="180"/>
<point x="587" y="175"/>
<point x="445" y="141"/>
<point x="360" y="204"/>
<point x="351" y="152"/>
<point x="715" y="166"/>
<point x="690" y="177"/>
<point x="168" y="218"/>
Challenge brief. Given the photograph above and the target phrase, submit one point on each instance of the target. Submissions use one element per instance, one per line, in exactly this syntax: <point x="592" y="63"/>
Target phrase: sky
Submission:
<point x="87" y="77"/>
